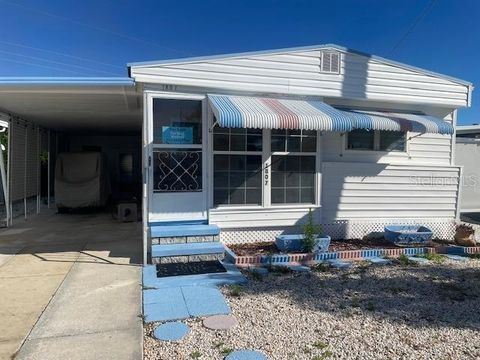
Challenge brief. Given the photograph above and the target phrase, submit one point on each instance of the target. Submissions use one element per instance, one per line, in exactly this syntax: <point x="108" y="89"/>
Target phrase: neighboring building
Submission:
<point x="467" y="154"/>
<point x="251" y="142"/>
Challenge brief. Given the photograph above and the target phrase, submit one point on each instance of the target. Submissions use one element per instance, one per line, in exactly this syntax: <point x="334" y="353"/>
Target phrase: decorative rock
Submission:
<point x="220" y="322"/>
<point x="456" y="257"/>
<point x="339" y="264"/>
<point x="379" y="261"/>
<point x="171" y="331"/>
<point x="418" y="260"/>
<point x="246" y="355"/>
<point x="299" y="268"/>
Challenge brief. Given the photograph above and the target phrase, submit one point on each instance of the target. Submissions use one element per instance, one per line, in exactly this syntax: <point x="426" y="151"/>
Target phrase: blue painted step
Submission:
<point x="187" y="249"/>
<point x="159" y="231"/>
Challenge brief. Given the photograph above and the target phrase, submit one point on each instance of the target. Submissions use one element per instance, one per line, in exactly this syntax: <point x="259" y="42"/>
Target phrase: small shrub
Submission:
<point x="235" y="290"/>
<point x="405" y="261"/>
<point x="370" y="306"/>
<point x="436" y="258"/>
<point x="196" y="355"/>
<point x="226" y="351"/>
<point x="310" y="233"/>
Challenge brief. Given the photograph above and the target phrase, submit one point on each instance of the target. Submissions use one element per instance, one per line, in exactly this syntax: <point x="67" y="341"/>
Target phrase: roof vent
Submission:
<point x="330" y="62"/>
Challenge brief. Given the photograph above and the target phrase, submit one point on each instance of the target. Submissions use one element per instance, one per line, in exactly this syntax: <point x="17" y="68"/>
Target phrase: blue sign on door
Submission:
<point x="177" y="135"/>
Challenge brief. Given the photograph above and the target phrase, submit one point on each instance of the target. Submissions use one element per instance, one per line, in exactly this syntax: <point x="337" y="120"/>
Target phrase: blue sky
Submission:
<point x="98" y="37"/>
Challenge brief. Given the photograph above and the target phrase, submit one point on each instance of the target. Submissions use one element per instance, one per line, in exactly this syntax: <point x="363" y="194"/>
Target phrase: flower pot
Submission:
<point x="294" y="243"/>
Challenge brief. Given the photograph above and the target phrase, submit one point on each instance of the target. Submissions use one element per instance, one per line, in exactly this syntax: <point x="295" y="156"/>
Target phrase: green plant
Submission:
<point x="319" y="345"/>
<point x="44" y="157"/>
<point x="404" y="260"/>
<point x="226" y="351"/>
<point x="436" y="258"/>
<point x="310" y="233"/>
<point x="370" y="306"/>
<point x="235" y="290"/>
<point x="196" y="355"/>
<point x="218" y="344"/>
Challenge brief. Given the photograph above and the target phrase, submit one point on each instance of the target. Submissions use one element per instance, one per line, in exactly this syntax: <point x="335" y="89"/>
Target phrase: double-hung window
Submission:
<point x="293" y="166"/>
<point x="237" y="166"/>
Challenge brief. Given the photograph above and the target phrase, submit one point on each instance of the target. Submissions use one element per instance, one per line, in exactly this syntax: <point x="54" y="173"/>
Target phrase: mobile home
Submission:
<point x="243" y="146"/>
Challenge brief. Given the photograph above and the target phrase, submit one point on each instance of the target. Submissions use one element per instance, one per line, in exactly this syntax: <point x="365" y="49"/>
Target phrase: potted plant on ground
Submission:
<point x="311" y="241"/>
<point x="465" y="235"/>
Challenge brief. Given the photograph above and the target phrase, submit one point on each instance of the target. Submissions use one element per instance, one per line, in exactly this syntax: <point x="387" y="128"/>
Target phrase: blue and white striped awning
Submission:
<point x="270" y="113"/>
<point x="375" y="120"/>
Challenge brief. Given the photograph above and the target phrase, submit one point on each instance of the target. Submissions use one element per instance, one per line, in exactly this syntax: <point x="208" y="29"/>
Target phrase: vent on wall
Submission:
<point x="330" y="62"/>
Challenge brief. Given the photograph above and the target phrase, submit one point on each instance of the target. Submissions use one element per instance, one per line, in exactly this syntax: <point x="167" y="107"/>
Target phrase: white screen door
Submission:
<point x="178" y="162"/>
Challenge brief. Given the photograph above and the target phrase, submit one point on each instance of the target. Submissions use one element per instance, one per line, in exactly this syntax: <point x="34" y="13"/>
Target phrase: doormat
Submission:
<point x="190" y="268"/>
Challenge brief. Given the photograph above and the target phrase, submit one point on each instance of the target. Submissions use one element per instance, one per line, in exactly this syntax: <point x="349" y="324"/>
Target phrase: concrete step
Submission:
<point x="183" y="230"/>
<point x="187" y="249"/>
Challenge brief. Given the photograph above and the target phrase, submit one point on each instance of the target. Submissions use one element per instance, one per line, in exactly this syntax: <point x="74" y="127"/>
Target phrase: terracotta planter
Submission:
<point x="465" y="237"/>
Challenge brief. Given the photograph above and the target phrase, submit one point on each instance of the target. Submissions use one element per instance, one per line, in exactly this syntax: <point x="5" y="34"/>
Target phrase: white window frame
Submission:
<point x="266" y="172"/>
<point x="296" y="153"/>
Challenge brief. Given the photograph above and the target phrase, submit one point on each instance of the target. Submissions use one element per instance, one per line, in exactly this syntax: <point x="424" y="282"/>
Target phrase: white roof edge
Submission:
<point x="295" y="49"/>
<point x="468" y="128"/>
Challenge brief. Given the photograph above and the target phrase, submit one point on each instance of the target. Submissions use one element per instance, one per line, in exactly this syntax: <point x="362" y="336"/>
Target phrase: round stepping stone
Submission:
<point x="220" y="322"/>
<point x="246" y="355"/>
<point x="171" y="331"/>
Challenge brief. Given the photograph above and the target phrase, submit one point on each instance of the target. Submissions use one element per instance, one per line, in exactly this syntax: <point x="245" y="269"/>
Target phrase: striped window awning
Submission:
<point x="271" y="113"/>
<point x="375" y="120"/>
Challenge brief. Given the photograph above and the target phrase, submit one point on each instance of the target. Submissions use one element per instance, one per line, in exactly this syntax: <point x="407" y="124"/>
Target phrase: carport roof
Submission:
<point x="74" y="103"/>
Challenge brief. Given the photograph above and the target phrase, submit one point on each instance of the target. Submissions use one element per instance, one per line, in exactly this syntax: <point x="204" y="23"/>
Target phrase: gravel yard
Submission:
<point x="429" y="311"/>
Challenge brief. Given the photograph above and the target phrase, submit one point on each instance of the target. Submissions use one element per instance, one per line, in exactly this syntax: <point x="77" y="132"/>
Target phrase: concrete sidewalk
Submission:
<point x="73" y="289"/>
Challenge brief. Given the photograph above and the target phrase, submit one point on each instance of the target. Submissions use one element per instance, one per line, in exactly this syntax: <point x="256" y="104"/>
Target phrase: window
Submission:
<point x="237" y="166"/>
<point x="293" y="174"/>
<point x="361" y="140"/>
<point x="392" y="141"/>
<point x="376" y="140"/>
<point x="293" y="179"/>
<point x="294" y="141"/>
<point x="177" y="121"/>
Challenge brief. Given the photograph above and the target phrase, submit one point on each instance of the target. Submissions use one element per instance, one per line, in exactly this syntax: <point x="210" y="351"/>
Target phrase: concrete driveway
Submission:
<point x="70" y="288"/>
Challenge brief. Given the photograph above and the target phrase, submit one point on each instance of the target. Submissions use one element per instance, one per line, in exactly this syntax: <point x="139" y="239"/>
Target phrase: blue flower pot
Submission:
<point x="294" y="243"/>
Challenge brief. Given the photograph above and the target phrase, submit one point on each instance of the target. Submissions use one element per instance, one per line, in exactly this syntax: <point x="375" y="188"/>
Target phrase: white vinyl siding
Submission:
<point x="365" y="191"/>
<point x="299" y="73"/>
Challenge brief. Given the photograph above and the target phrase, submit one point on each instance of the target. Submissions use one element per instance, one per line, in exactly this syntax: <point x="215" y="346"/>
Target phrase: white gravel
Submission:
<point x="428" y="311"/>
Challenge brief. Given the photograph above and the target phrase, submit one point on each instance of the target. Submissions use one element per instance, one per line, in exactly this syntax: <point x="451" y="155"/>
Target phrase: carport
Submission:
<point x="47" y="116"/>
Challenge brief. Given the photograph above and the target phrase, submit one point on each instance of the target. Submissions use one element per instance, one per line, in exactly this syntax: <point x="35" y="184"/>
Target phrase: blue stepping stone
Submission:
<point x="456" y="257"/>
<point x="172" y="331"/>
<point x="246" y="355"/>
<point x="204" y="301"/>
<point x="164" y="305"/>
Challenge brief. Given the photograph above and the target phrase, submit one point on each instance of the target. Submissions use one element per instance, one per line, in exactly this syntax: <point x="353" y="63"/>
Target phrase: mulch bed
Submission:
<point x="268" y="248"/>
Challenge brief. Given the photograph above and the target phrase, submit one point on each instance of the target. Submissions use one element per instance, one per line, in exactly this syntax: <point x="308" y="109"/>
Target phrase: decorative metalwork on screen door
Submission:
<point x="177" y="170"/>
